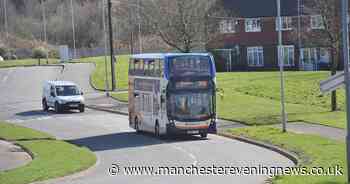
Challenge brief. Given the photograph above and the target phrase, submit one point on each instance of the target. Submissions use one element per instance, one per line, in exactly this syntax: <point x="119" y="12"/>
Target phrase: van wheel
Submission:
<point x="57" y="108"/>
<point x="137" y="124"/>
<point x="45" y="107"/>
<point x="157" y="130"/>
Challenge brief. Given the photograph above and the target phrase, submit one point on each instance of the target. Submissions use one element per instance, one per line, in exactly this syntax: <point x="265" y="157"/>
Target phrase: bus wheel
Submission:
<point x="157" y="130"/>
<point x="204" y="135"/>
<point x="137" y="128"/>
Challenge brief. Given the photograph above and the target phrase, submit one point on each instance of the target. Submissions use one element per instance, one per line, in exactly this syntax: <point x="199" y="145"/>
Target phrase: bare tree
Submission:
<point x="181" y="24"/>
<point x="328" y="36"/>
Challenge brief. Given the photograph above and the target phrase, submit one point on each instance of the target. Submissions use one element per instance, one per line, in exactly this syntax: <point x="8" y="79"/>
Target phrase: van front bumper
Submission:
<point x="72" y="105"/>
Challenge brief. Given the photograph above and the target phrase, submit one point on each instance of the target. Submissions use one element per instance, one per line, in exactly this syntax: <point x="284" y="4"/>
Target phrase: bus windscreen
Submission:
<point x="190" y="65"/>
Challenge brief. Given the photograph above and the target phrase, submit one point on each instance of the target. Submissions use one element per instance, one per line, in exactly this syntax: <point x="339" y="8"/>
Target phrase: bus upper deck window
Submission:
<point x="151" y="67"/>
<point x="161" y="68"/>
<point x="156" y="68"/>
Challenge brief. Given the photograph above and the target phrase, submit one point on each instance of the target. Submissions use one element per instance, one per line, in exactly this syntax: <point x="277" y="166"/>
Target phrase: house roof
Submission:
<point x="261" y="8"/>
<point x="164" y="55"/>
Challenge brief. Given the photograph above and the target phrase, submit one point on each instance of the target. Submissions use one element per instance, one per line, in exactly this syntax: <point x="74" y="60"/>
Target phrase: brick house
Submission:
<point x="248" y="41"/>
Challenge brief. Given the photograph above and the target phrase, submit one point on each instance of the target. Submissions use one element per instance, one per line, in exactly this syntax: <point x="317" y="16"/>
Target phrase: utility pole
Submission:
<point x="45" y="30"/>
<point x="111" y="44"/>
<point x="139" y="24"/>
<point x="6" y="21"/>
<point x="281" y="63"/>
<point x="345" y="44"/>
<point x="105" y="44"/>
<point x="73" y="29"/>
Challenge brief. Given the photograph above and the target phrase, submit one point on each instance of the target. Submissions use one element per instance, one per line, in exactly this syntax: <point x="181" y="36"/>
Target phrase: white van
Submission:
<point x="62" y="95"/>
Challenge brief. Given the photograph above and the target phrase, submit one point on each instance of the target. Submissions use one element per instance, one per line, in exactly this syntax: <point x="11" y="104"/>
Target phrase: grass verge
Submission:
<point x="122" y="97"/>
<point x="98" y="77"/>
<point x="313" y="151"/>
<point x="52" y="158"/>
<point x="25" y="62"/>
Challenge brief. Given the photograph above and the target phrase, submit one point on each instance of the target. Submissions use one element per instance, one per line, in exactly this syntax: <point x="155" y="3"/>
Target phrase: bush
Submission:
<point x="39" y="53"/>
<point x="3" y="51"/>
<point x="53" y="54"/>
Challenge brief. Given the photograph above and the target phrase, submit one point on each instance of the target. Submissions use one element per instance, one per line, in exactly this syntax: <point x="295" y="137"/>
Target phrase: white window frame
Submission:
<point x="316" y="22"/>
<point x="228" y="26"/>
<point x="287" y="24"/>
<point x="255" y="56"/>
<point x="288" y="60"/>
<point x="253" y="25"/>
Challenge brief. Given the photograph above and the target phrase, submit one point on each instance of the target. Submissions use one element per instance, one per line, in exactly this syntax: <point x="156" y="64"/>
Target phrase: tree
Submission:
<point x="181" y="24"/>
<point x="329" y="36"/>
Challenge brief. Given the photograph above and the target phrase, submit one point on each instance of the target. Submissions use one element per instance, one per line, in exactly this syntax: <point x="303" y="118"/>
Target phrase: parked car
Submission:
<point x="61" y="96"/>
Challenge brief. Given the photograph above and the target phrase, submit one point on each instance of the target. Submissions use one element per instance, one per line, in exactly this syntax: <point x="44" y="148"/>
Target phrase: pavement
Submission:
<point x="108" y="135"/>
<point x="315" y="129"/>
<point x="12" y="156"/>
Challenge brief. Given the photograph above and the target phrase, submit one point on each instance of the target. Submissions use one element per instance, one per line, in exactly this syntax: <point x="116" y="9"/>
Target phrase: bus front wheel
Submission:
<point x="204" y="135"/>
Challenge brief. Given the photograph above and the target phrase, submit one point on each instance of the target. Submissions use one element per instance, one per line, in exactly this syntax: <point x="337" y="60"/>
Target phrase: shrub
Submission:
<point x="3" y="51"/>
<point x="39" y="53"/>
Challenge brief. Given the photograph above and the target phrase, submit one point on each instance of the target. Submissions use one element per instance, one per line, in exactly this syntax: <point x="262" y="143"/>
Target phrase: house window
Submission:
<point x="314" y="56"/>
<point x="253" y="25"/>
<point x="228" y="26"/>
<point x="287" y="55"/>
<point x="317" y="22"/>
<point x="255" y="56"/>
<point x="286" y="23"/>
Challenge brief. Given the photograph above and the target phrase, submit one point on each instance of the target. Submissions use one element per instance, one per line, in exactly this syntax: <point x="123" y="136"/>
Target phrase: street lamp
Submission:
<point x="111" y="44"/>
<point x="281" y="63"/>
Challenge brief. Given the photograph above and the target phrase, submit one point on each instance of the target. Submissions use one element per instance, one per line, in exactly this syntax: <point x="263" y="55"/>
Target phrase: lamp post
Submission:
<point x="45" y="29"/>
<point x="105" y="44"/>
<point x="281" y="63"/>
<point x="6" y="21"/>
<point x="345" y="45"/>
<point x="111" y="44"/>
<point x="73" y="29"/>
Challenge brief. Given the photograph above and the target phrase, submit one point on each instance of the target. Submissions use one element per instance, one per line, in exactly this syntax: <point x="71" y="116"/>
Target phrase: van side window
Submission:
<point x="156" y="68"/>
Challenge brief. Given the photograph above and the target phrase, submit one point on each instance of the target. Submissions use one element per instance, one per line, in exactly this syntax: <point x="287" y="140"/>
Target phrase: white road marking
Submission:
<point x="192" y="156"/>
<point x="5" y="78"/>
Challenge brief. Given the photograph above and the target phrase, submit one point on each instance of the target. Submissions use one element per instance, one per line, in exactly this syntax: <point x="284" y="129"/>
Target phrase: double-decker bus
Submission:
<point x="172" y="94"/>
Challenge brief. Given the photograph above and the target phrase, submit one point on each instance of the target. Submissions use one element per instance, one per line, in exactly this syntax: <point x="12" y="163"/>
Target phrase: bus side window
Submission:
<point x="142" y="68"/>
<point x="161" y="68"/>
<point x="151" y="68"/>
<point x="156" y="68"/>
<point x="146" y="68"/>
<point x="131" y="66"/>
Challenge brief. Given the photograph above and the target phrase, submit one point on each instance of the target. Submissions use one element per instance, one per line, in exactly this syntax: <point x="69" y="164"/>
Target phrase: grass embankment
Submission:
<point x="123" y="97"/>
<point x="254" y="98"/>
<point x="25" y="62"/>
<point x="99" y="75"/>
<point x="313" y="151"/>
<point x="52" y="158"/>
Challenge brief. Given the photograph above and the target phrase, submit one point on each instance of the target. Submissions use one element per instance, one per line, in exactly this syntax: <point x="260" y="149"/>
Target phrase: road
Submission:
<point x="110" y="138"/>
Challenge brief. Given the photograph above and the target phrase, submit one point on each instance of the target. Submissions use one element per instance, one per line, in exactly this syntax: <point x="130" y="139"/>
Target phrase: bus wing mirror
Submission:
<point x="52" y="94"/>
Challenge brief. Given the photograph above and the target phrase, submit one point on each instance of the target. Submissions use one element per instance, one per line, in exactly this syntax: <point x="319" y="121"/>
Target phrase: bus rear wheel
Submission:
<point x="157" y="130"/>
<point x="137" y="125"/>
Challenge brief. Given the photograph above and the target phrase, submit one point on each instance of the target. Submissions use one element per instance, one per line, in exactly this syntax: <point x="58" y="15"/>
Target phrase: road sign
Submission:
<point x="332" y="83"/>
